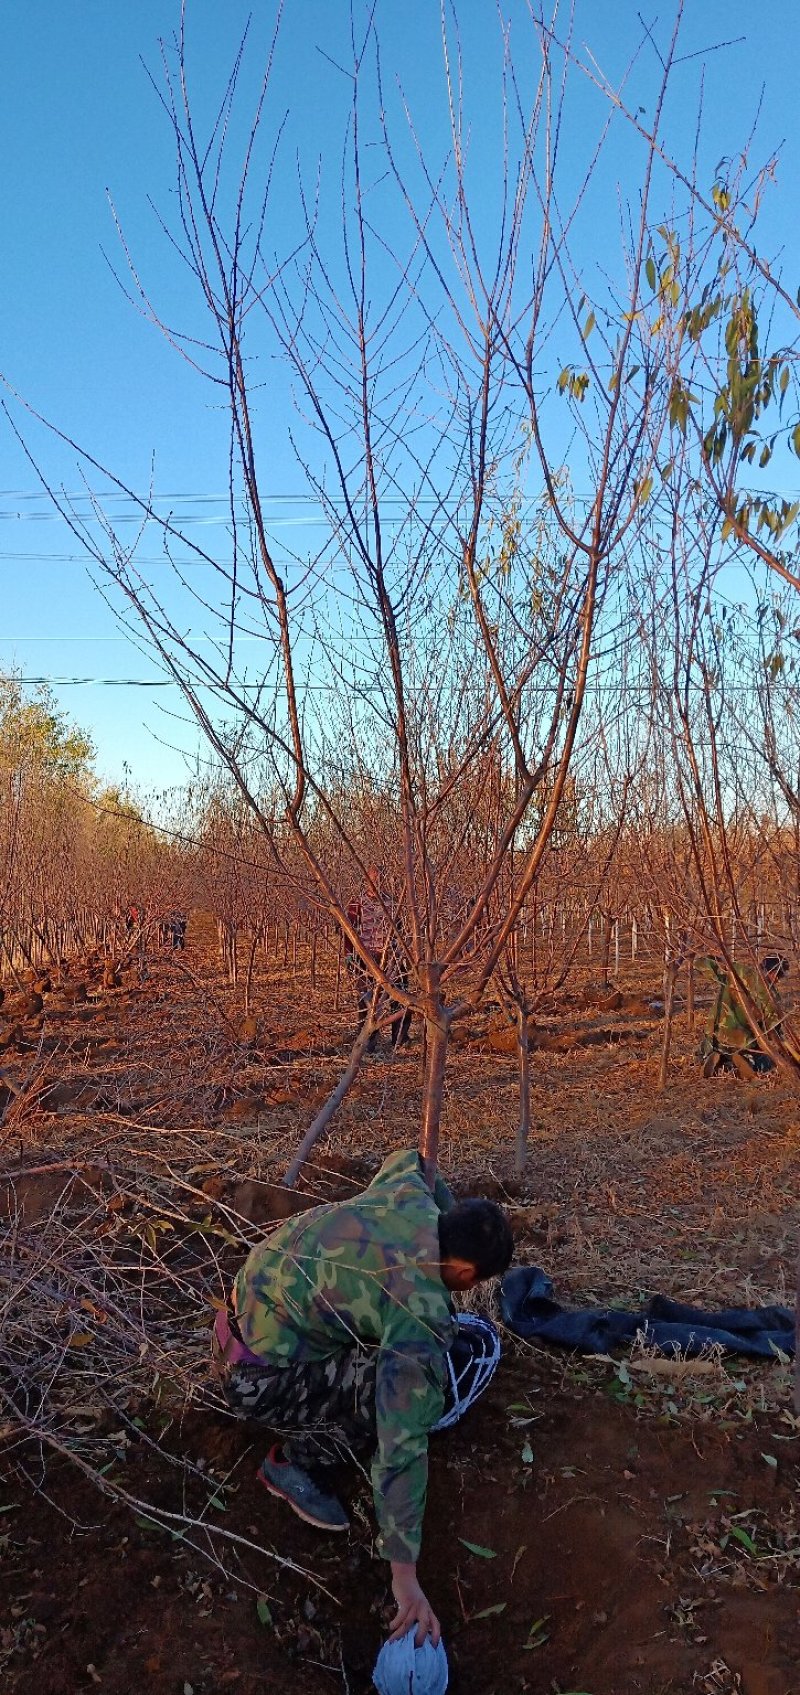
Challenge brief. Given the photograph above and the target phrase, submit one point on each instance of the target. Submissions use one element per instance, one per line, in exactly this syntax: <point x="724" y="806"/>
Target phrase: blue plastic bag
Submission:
<point x="402" y="1669"/>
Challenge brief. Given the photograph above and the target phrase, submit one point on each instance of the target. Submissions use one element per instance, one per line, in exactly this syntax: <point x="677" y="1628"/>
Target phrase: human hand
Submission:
<point x="413" y="1607"/>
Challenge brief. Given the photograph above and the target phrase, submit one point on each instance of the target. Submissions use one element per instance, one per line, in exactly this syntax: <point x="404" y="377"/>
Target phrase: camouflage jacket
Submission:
<point x="729" y="1027"/>
<point x="367" y="1271"/>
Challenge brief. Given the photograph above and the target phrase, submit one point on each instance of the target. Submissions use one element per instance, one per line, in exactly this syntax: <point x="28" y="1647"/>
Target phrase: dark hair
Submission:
<point x="479" y="1232"/>
<point x="775" y="965"/>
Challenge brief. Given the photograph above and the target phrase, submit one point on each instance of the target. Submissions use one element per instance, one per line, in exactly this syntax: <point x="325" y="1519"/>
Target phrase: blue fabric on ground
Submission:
<point x="402" y="1669"/>
<point x="528" y="1308"/>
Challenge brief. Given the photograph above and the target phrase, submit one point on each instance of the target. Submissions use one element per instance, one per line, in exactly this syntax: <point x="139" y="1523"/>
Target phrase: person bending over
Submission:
<point x="338" y="1333"/>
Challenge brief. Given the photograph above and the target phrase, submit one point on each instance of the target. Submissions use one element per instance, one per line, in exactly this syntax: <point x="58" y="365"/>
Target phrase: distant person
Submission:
<point x="172" y="931"/>
<point x="371" y="914"/>
<point x="340" y="1333"/>
<point x="731" y="1042"/>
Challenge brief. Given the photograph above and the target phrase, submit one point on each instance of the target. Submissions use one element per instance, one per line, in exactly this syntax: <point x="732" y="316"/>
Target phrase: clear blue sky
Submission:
<point x="78" y="120"/>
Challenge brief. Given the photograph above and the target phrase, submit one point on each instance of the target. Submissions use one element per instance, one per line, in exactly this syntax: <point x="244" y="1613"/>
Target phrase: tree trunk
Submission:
<point x="670" y="973"/>
<point x="339" y="953"/>
<point x="608" y="931"/>
<point x="690" y="994"/>
<point x="436" y="1032"/>
<point x="332" y="1104"/>
<point x="524" y="1056"/>
<point x="248" y="982"/>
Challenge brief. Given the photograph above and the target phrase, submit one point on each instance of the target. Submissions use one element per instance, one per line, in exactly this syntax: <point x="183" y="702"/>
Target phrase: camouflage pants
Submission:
<point x="325" y="1409"/>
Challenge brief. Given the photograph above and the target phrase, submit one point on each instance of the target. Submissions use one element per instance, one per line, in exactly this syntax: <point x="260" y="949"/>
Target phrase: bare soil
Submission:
<point x="612" y="1527"/>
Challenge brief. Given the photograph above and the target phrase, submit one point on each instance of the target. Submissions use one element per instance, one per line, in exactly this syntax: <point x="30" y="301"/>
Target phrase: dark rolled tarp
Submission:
<point x="528" y="1308"/>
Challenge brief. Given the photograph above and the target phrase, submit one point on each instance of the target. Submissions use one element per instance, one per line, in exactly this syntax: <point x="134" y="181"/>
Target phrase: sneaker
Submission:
<point x="294" y="1486"/>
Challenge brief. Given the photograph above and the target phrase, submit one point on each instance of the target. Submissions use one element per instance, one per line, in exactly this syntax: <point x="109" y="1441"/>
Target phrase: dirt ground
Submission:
<point x="594" y="1527"/>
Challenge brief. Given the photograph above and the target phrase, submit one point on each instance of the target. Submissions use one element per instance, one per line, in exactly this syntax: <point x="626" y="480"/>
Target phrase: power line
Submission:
<point x="169" y="683"/>
<point x="11" y="641"/>
<point x="136" y="516"/>
<point x="15" y="556"/>
<point x="286" y="497"/>
<point x="630" y="690"/>
<point x="224" y="499"/>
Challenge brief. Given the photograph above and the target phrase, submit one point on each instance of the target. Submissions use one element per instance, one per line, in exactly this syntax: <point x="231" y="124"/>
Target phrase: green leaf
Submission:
<point x="770" y="1459"/>
<point x="475" y="1548"/>
<point x="537" y="1635"/>
<point x="679" y="408"/>
<point x="527" y="1454"/>
<point x="589" y="326"/>
<point x="650" y="273"/>
<point x="796" y="439"/>
<point x="491" y="1612"/>
<point x="742" y="1536"/>
<point x="262" y="1609"/>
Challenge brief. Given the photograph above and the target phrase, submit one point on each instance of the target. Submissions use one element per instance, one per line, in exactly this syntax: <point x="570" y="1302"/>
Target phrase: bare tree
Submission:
<point x="443" y="357"/>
